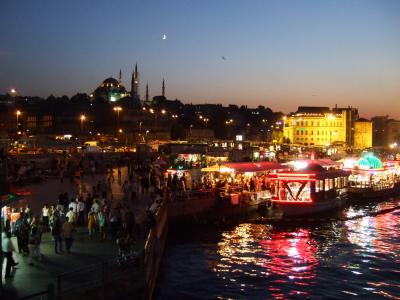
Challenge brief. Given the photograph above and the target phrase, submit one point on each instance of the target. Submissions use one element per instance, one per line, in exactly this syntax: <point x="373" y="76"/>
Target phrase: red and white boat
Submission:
<point x="309" y="191"/>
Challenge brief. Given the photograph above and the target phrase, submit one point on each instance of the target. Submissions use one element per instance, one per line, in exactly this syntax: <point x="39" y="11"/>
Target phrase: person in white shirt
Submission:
<point x="8" y="249"/>
<point x="95" y="207"/>
<point x="71" y="215"/>
<point x="45" y="216"/>
<point x="81" y="211"/>
<point x="74" y="206"/>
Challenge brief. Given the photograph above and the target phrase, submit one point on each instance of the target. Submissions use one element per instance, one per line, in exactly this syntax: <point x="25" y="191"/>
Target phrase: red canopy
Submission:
<point x="241" y="167"/>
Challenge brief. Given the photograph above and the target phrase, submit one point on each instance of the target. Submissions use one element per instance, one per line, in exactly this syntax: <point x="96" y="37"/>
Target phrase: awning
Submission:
<point x="242" y="167"/>
<point x="214" y="168"/>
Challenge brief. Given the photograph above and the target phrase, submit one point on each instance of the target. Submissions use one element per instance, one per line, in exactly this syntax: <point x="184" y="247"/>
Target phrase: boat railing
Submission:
<point x="376" y="186"/>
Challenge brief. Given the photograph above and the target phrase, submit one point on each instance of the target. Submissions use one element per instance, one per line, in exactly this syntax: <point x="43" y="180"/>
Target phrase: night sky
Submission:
<point x="280" y="54"/>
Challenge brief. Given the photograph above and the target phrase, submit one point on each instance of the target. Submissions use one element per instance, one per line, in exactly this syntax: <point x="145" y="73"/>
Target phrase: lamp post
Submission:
<point x="18" y="113"/>
<point x="190" y="131"/>
<point x="82" y="118"/>
<point x="117" y="109"/>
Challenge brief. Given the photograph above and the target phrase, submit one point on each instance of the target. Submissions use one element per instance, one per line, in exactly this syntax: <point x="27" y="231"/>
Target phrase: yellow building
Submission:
<point x="316" y="126"/>
<point x="362" y="134"/>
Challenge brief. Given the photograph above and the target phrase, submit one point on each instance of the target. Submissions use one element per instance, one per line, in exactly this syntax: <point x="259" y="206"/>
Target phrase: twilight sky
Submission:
<point x="280" y="54"/>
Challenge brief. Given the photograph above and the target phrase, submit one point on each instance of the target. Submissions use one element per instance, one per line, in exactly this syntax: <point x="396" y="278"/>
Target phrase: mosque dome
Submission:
<point x="110" y="89"/>
<point x="110" y="82"/>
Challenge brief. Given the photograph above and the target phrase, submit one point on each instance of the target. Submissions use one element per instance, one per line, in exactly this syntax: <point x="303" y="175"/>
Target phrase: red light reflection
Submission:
<point x="292" y="256"/>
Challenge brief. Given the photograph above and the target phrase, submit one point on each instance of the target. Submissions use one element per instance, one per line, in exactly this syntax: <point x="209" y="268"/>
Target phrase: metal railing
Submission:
<point x="48" y="294"/>
<point x="94" y="276"/>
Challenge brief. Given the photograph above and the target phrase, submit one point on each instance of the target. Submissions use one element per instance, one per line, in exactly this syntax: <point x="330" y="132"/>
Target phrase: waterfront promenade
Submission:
<point x="86" y="251"/>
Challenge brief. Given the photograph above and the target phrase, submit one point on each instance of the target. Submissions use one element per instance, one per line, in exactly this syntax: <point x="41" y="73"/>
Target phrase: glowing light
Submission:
<point x="349" y="163"/>
<point x="369" y="161"/>
<point x="300" y="165"/>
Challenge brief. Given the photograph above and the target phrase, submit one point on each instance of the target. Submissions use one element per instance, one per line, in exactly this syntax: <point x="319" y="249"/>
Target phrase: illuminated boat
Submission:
<point x="228" y="198"/>
<point x="309" y="191"/>
<point x="372" y="179"/>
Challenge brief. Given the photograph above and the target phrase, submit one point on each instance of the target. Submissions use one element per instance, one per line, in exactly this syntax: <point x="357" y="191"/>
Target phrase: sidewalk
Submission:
<point x="85" y="251"/>
<point x="32" y="279"/>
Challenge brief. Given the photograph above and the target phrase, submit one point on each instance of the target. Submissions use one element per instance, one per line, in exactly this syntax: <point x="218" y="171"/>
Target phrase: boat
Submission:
<point x="309" y="191"/>
<point x="371" y="179"/>
<point x="227" y="197"/>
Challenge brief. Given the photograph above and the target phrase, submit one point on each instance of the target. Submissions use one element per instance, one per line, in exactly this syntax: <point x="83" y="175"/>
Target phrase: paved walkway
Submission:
<point x="85" y="250"/>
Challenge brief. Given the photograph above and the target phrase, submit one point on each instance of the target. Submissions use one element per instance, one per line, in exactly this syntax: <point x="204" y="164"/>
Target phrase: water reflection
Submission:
<point x="356" y="255"/>
<point x="292" y="262"/>
<point x="286" y="260"/>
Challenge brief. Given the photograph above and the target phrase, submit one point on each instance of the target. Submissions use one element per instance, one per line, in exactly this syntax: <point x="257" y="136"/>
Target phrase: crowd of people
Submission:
<point x="94" y="211"/>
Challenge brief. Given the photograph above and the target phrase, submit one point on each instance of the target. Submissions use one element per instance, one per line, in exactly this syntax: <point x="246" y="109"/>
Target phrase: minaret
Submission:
<point x="147" y="92"/>
<point x="135" y="84"/>
<point x="120" y="76"/>
<point x="133" y="91"/>
<point x="163" y="88"/>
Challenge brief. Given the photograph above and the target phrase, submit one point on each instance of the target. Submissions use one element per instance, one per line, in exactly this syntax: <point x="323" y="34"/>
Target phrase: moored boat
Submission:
<point x="231" y="190"/>
<point x="307" y="192"/>
<point x="372" y="179"/>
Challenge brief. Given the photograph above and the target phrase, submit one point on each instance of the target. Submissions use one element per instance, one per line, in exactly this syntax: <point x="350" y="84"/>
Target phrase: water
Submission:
<point x="357" y="255"/>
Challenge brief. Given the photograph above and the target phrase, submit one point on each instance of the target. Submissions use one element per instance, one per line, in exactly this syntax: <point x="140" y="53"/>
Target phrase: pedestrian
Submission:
<point x="91" y="223"/>
<point x="8" y="249"/>
<point x="45" y="217"/>
<point x="56" y="233"/>
<point x="81" y="211"/>
<point x="67" y="231"/>
<point x="34" y="246"/>
<point x="17" y="227"/>
<point x="71" y="215"/>
<point x="101" y="219"/>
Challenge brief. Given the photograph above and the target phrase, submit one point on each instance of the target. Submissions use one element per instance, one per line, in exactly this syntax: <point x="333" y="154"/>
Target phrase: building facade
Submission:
<point x="392" y="132"/>
<point x="322" y="126"/>
<point x="362" y="134"/>
<point x="315" y="126"/>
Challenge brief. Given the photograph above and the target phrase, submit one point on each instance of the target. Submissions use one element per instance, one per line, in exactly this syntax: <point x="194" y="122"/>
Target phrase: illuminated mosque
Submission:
<point x="112" y="89"/>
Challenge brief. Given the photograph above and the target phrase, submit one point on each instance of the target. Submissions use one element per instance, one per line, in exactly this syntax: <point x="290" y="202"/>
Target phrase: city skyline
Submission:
<point x="273" y="53"/>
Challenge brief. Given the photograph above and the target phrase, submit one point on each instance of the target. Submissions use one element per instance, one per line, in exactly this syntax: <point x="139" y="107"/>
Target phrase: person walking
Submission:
<point x="56" y="233"/>
<point x="67" y="231"/>
<point x="34" y="244"/>
<point x="91" y="223"/>
<point x="101" y="218"/>
<point x="8" y="249"/>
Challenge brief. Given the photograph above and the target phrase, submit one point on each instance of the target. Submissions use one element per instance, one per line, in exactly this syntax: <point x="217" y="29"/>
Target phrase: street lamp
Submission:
<point x="82" y="118"/>
<point x="118" y="109"/>
<point x="18" y="113"/>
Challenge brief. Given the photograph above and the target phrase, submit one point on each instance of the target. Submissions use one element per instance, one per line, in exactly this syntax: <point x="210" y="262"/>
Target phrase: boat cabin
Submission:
<point x="308" y="185"/>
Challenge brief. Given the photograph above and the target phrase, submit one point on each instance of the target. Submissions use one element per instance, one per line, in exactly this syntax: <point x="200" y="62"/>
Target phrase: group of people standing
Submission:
<point x="94" y="211"/>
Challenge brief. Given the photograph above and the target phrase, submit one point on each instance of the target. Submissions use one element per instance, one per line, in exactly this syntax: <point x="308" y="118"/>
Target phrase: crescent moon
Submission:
<point x="164" y="37"/>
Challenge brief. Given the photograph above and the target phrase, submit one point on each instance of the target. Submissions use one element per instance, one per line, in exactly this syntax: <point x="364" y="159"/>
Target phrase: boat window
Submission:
<point x="317" y="186"/>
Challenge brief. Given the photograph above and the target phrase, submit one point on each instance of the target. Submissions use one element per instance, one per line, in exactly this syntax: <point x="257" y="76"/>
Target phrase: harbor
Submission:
<point x="236" y="195"/>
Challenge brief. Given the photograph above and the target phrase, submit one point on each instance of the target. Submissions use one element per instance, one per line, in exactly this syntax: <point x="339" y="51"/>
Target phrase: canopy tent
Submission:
<point x="323" y="162"/>
<point x="243" y="167"/>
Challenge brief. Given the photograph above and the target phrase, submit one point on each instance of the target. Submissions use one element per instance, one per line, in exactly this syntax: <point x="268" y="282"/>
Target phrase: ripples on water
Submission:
<point x="358" y="256"/>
